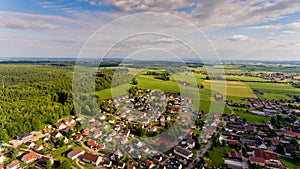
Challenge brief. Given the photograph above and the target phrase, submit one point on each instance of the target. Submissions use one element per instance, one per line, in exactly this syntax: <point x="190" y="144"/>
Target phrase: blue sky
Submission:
<point x="237" y="29"/>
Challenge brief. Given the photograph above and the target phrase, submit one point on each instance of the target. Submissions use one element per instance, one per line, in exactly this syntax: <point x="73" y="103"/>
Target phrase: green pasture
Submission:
<point x="278" y="88"/>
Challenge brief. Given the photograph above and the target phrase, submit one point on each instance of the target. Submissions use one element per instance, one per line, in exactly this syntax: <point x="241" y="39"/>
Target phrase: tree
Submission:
<point x="134" y="81"/>
<point x="269" y="142"/>
<point x="48" y="164"/>
<point x="296" y="155"/>
<point x="65" y="164"/>
<point x="280" y="148"/>
<point x="294" y="141"/>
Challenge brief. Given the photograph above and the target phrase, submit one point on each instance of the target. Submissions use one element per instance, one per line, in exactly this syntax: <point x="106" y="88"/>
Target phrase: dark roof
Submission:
<point x="90" y="157"/>
<point x="75" y="152"/>
<point x="234" y="155"/>
<point x="183" y="151"/>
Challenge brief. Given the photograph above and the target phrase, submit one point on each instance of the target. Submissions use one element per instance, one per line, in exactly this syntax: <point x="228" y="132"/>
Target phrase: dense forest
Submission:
<point x="32" y="96"/>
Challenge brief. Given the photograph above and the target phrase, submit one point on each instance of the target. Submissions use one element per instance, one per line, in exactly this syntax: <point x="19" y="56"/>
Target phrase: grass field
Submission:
<point x="274" y="88"/>
<point x="214" y="107"/>
<point x="291" y="164"/>
<point x="116" y="92"/>
<point x="251" y="118"/>
<point x="217" y="154"/>
<point x="271" y="96"/>
<point x="245" y="78"/>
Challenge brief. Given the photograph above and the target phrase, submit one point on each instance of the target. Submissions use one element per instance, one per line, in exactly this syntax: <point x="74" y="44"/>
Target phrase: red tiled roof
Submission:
<point x="30" y="156"/>
<point x="291" y="133"/>
<point x="13" y="164"/>
<point x="232" y="142"/>
<point x="91" y="143"/>
<point x="265" y="155"/>
<point x="257" y="160"/>
<point x="75" y="152"/>
<point x="90" y="157"/>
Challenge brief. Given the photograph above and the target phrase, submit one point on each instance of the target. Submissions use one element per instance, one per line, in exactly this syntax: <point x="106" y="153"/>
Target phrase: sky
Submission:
<point x="229" y="29"/>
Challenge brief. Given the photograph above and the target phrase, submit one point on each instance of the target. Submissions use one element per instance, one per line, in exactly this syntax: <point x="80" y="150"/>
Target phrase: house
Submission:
<point x="101" y="146"/>
<point x="56" y="134"/>
<point x="97" y="133"/>
<point x="158" y="158"/>
<point x="29" y="157"/>
<point x="38" y="147"/>
<point x="2" y="158"/>
<point x="91" y="143"/>
<point x="289" y="148"/>
<point x="91" y="158"/>
<point x="13" y="165"/>
<point x="189" y="142"/>
<point x="107" y="163"/>
<point x="291" y="134"/>
<point x="69" y="121"/>
<point x="78" y="137"/>
<point x="127" y="133"/>
<point x="60" y="126"/>
<point x="257" y="160"/>
<point x="234" y="155"/>
<point x="43" y="161"/>
<point x="121" y="165"/>
<point x="24" y="137"/>
<point x="29" y="144"/>
<point x="183" y="152"/>
<point x="85" y="132"/>
<point x="265" y="155"/>
<point x="161" y="167"/>
<point x="75" y="154"/>
<point x="130" y="167"/>
<point x="149" y="164"/>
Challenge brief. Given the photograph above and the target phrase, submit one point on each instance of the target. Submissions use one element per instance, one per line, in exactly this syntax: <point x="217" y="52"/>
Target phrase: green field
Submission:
<point x="291" y="164"/>
<point x="245" y="78"/>
<point x="271" y="96"/>
<point x="214" y="107"/>
<point x="217" y="155"/>
<point x="251" y="118"/>
<point x="278" y="88"/>
<point x="229" y="88"/>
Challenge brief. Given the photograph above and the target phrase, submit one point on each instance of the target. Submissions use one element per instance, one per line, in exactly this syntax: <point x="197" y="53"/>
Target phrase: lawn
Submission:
<point x="289" y="163"/>
<point x="217" y="154"/>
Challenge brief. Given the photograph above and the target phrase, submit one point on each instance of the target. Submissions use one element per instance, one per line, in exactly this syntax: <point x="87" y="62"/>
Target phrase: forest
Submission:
<point x="35" y="95"/>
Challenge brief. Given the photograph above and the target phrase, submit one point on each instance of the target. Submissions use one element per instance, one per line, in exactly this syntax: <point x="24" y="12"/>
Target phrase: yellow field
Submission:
<point x="229" y="88"/>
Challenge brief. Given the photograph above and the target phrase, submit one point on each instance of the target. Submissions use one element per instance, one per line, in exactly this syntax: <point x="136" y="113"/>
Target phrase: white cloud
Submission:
<point x="148" y="5"/>
<point x="237" y="38"/>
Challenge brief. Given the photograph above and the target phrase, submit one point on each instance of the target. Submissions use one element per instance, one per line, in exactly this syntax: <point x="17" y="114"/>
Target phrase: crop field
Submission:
<point x="245" y="78"/>
<point x="277" y="88"/>
<point x="229" y="88"/>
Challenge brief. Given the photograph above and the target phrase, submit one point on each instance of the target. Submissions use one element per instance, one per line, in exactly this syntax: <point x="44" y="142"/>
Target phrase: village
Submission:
<point x="114" y="138"/>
